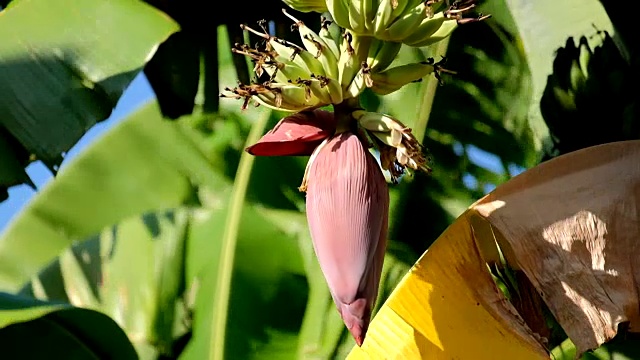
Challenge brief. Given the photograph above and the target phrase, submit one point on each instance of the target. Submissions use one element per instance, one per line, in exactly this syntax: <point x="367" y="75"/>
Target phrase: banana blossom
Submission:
<point x="347" y="208"/>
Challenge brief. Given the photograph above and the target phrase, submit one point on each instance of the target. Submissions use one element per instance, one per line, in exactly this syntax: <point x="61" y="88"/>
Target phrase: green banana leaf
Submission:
<point x="63" y="67"/>
<point x="132" y="271"/>
<point x="143" y="164"/>
<point x="268" y="294"/>
<point x="150" y="274"/>
<point x="32" y="329"/>
<point x="157" y="272"/>
<point x="280" y="306"/>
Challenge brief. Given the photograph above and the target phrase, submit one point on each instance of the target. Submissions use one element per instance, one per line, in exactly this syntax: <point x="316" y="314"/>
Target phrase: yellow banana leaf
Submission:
<point x="569" y="224"/>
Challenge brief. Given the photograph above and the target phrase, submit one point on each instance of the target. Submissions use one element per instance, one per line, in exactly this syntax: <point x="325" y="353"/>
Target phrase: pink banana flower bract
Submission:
<point x="297" y="134"/>
<point x="347" y="209"/>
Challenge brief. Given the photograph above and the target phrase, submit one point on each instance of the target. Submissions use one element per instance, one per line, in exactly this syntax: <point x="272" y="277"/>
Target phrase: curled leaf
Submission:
<point x="570" y="225"/>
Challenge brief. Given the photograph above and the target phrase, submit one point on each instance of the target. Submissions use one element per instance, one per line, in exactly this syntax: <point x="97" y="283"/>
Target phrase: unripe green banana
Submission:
<point x="374" y="48"/>
<point x="320" y="91"/>
<point x="316" y="45"/>
<point x="287" y="51"/>
<point x="394" y="136"/>
<point x="284" y="50"/>
<point x="307" y="5"/>
<point x="558" y="98"/>
<point x="353" y="52"/>
<point x="445" y="29"/>
<point x="377" y="122"/>
<point x="584" y="57"/>
<point x="356" y="17"/>
<point x="406" y="25"/>
<point x="313" y="64"/>
<point x="413" y="22"/>
<point x="269" y="100"/>
<point x="361" y="45"/>
<point x="383" y="17"/>
<point x="357" y="85"/>
<point x="358" y="114"/>
<point x="578" y="74"/>
<point x="400" y="7"/>
<point x="335" y="32"/>
<point x="289" y="97"/>
<point x="392" y="79"/>
<point x="427" y="27"/>
<point x="264" y="62"/>
<point x="295" y="96"/>
<point x="582" y="80"/>
<point x="276" y="76"/>
<point x="339" y="11"/>
<point x="381" y="54"/>
<point x="298" y="55"/>
<point x="292" y="71"/>
<point x="323" y="71"/>
<point x="576" y="77"/>
<point x="335" y="90"/>
<point x="369" y="8"/>
<point x="275" y="102"/>
<point x="331" y="34"/>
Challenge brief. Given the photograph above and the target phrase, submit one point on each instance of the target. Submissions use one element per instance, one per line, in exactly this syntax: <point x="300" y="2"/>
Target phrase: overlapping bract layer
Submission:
<point x="297" y="134"/>
<point x="347" y="210"/>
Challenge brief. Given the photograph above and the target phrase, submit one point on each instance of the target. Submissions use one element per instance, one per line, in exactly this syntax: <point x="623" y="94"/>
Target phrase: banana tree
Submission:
<point x="194" y="217"/>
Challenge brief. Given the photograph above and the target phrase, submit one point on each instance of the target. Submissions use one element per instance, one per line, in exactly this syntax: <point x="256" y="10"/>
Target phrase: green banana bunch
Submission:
<point x="381" y="54"/>
<point x="353" y="63"/>
<point x="399" y="149"/>
<point x="317" y="46"/>
<point x="582" y="80"/>
<point x="330" y="67"/>
<point x="394" y="78"/>
<point x="413" y="22"/>
<point x="343" y="56"/>
<point x="334" y="66"/>
<point x="298" y="77"/>
<point x="284" y="97"/>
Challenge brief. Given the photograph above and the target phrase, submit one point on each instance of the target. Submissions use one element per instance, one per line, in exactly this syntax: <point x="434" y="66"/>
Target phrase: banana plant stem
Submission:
<point x="230" y="239"/>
